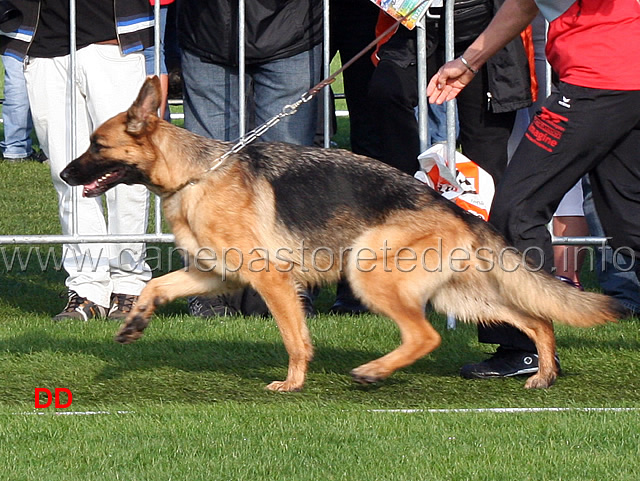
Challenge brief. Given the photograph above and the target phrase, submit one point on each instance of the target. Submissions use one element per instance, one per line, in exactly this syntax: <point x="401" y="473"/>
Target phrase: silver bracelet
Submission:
<point x="466" y="64"/>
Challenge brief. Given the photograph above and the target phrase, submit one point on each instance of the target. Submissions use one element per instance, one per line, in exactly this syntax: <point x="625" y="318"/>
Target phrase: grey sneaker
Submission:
<point x="121" y="306"/>
<point x="80" y="308"/>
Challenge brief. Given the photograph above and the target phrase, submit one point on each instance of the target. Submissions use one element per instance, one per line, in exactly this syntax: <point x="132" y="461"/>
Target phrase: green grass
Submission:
<point x="192" y="404"/>
<point x="195" y="407"/>
<point x="256" y="442"/>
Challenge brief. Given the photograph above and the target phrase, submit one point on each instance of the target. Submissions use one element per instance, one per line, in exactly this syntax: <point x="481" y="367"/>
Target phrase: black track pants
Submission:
<point x="579" y="131"/>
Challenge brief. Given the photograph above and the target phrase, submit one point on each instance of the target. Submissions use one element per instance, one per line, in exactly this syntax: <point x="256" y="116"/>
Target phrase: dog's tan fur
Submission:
<point x="246" y="204"/>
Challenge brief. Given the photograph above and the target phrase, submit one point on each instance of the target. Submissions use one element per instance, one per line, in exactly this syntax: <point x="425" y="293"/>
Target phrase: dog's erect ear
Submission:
<point x="145" y="107"/>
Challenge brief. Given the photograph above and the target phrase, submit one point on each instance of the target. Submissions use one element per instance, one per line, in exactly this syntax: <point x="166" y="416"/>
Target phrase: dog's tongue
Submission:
<point x="89" y="187"/>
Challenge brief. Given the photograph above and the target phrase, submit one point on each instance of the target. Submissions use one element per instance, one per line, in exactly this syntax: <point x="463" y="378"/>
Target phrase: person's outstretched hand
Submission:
<point x="448" y="81"/>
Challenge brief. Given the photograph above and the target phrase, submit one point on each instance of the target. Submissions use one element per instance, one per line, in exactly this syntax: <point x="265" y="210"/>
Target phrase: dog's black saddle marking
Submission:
<point x="313" y="186"/>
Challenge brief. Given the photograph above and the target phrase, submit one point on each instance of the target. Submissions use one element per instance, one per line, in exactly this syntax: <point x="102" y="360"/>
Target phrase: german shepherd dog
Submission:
<point x="279" y="217"/>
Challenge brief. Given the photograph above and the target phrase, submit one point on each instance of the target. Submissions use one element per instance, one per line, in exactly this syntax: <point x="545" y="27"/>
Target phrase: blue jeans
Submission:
<point x="16" y="114"/>
<point x="149" y="52"/>
<point x="211" y="96"/>
<point x="437" y="121"/>
<point x="616" y="272"/>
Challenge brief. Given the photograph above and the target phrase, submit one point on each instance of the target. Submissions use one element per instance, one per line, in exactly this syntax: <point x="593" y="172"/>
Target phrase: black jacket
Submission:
<point x="274" y="29"/>
<point x="508" y="75"/>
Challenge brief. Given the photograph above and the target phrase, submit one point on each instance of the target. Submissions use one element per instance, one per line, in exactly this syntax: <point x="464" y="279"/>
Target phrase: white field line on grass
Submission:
<point x="402" y="411"/>
<point x="502" y="410"/>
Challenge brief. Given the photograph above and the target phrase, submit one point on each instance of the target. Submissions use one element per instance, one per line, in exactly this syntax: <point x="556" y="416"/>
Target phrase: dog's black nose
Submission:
<point x="67" y="175"/>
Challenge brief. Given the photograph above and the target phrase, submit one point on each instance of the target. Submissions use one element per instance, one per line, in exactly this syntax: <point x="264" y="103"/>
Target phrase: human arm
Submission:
<point x="511" y="19"/>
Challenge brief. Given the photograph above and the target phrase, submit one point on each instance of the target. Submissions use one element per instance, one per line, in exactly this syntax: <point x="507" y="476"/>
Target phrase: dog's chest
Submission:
<point x="177" y="217"/>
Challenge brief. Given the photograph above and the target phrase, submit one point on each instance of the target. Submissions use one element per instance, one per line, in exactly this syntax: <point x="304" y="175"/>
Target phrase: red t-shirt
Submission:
<point x="596" y="44"/>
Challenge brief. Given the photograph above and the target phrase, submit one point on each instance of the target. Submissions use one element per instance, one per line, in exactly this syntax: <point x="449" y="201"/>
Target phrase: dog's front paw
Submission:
<point x="132" y="329"/>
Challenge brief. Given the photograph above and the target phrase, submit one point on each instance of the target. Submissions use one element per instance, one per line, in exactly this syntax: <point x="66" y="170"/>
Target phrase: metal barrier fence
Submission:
<point x="158" y="236"/>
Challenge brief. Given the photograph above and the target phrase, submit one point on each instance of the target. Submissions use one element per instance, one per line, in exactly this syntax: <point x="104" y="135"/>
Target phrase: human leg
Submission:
<point x="484" y="135"/>
<point x="568" y="259"/>
<point x="87" y="265"/>
<point x="393" y="94"/>
<point x="615" y="183"/>
<point x="282" y="82"/>
<point x="276" y="84"/>
<point x="210" y="98"/>
<point x="560" y="146"/>
<point x="211" y="109"/>
<point x="352" y="29"/>
<point x="163" y="74"/>
<point x="569" y="221"/>
<point x="557" y="150"/>
<point x="16" y="114"/>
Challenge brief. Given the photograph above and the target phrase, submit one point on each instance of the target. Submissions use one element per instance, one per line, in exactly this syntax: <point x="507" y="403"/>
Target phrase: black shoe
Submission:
<point x="504" y="363"/>
<point x="34" y="156"/>
<point x="307" y="297"/>
<point x="568" y="281"/>
<point x="348" y="306"/>
<point x="215" y="306"/>
<point x="346" y="302"/>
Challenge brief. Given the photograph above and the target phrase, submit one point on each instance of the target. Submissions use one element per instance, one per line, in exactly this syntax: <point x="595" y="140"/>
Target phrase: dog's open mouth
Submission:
<point x="104" y="183"/>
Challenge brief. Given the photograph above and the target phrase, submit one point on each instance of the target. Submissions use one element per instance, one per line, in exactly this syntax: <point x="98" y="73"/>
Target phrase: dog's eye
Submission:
<point x="96" y="148"/>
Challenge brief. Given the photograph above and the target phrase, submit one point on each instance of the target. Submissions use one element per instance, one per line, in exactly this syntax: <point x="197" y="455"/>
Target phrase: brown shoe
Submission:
<point x="121" y="306"/>
<point x="80" y="308"/>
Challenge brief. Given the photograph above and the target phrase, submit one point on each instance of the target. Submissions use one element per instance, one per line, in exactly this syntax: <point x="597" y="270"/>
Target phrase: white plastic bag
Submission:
<point x="472" y="188"/>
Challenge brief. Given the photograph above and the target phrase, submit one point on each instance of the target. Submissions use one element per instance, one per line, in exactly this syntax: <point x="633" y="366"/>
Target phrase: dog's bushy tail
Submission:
<point x="544" y="296"/>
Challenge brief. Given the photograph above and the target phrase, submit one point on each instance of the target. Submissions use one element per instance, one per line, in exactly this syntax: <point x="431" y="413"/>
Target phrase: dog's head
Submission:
<point x="121" y="151"/>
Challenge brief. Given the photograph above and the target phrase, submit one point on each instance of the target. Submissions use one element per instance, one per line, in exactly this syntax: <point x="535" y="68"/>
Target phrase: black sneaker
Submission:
<point x="80" y="308"/>
<point x="121" y="306"/>
<point x="34" y="156"/>
<point x="215" y="306"/>
<point x="568" y="281"/>
<point x="504" y="363"/>
<point x="348" y="306"/>
<point x="306" y="297"/>
<point x="346" y="302"/>
<point x="39" y="156"/>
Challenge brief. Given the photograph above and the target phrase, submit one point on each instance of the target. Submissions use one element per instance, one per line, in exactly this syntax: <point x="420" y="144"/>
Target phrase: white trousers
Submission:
<point x="106" y="83"/>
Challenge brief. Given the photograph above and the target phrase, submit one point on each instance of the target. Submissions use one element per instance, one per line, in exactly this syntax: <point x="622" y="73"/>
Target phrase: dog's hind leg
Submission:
<point x="397" y="297"/>
<point x="183" y="283"/>
<point x="541" y="333"/>
<point x="280" y="293"/>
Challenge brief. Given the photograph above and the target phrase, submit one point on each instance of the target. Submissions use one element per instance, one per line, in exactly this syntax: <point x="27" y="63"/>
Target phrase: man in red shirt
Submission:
<point x="590" y="125"/>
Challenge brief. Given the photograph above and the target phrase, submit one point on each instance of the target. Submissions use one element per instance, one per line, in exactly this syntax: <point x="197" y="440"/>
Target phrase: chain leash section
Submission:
<point x="252" y="135"/>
